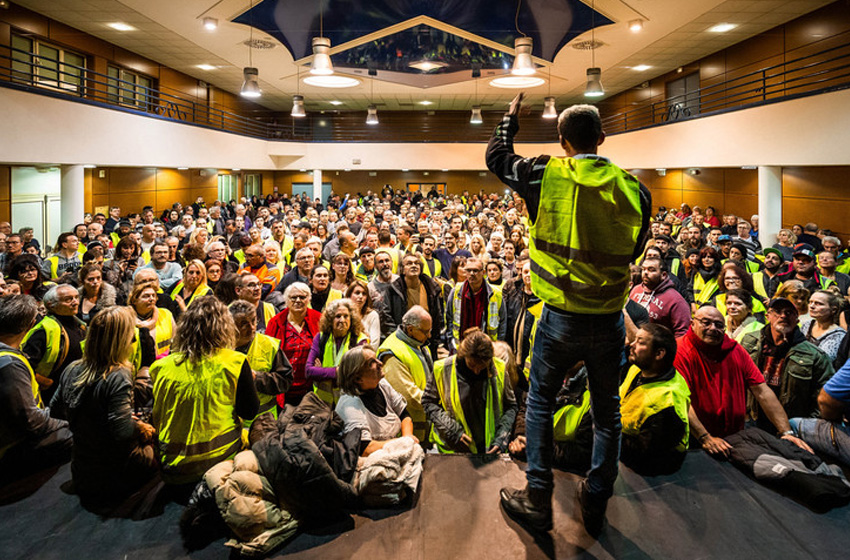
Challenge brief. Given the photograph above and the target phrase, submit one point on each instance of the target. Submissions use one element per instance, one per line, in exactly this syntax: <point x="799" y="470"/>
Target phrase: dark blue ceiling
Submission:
<point x="551" y="23"/>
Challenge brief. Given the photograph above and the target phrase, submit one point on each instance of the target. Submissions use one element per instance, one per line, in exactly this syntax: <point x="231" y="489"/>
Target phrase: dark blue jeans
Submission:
<point x="561" y="340"/>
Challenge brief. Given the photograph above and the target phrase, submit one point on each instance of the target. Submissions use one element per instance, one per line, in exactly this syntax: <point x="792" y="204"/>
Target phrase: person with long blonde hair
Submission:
<point x="113" y="452"/>
<point x="192" y="286"/>
<point x="201" y="390"/>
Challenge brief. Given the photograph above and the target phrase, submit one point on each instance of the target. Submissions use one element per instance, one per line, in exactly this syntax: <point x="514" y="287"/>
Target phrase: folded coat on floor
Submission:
<point x="387" y="476"/>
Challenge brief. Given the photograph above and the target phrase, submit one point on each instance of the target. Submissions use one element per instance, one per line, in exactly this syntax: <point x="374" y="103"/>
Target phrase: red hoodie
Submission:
<point x="718" y="377"/>
<point x="665" y="305"/>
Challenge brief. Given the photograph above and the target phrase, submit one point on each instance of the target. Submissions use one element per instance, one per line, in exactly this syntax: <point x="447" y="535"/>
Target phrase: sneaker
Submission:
<point x="528" y="507"/>
<point x="592" y="510"/>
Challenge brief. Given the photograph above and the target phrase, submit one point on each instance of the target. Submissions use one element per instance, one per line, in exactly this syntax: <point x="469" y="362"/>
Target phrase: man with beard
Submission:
<point x="773" y="261"/>
<point x="803" y="269"/>
<point x="447" y="254"/>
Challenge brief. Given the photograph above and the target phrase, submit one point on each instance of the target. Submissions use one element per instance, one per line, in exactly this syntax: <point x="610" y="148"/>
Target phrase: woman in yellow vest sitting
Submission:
<point x="340" y="329"/>
<point x="193" y="285"/>
<point x="738" y="309"/>
<point x="272" y="371"/>
<point x="733" y="277"/>
<point x="201" y="390"/>
<point x="704" y="280"/>
<point x="369" y="402"/>
<point x="113" y="452"/>
<point x="157" y="320"/>
<point x="468" y="400"/>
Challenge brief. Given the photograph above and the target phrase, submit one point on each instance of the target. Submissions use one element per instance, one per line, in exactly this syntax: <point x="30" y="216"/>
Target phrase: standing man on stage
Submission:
<point x="588" y="219"/>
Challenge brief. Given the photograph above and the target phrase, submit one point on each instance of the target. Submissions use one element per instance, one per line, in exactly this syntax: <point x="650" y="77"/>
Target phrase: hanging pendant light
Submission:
<point x="523" y="65"/>
<point x="250" y="82"/>
<point x="250" y="74"/>
<point x="593" y="88"/>
<point x="321" y="65"/>
<point x="549" y="111"/>
<point x="476" y="115"/>
<point x="298" y="106"/>
<point x="372" y="115"/>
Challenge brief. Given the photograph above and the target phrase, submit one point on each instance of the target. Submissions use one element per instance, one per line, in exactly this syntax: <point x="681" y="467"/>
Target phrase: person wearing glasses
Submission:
<point x="475" y="304"/>
<point x="719" y="373"/>
<point x="14" y="247"/>
<point x="305" y="259"/>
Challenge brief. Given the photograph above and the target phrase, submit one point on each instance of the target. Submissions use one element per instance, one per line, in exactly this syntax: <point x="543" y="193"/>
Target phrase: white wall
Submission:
<point x="39" y="129"/>
<point x="32" y="182"/>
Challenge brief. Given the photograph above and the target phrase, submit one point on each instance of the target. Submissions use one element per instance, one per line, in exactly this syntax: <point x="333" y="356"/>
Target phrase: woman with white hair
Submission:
<point x="296" y="326"/>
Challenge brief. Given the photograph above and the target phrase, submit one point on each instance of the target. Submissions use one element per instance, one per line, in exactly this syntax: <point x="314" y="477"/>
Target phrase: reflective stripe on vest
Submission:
<point x="268" y="312"/>
<point x="720" y="304"/>
<point x="194" y="413"/>
<point x="438" y="268"/>
<point x="703" y="291"/>
<point x="415" y="364"/>
<point x="758" y="284"/>
<point x="569" y="417"/>
<point x="536" y="310"/>
<point x="53" y="336"/>
<point x="581" y="243"/>
<point x="164" y="331"/>
<point x="261" y="355"/>
<point x="328" y="391"/>
<point x="653" y="397"/>
<point x="445" y="377"/>
<point x="491" y="318"/>
<point x="200" y="291"/>
<point x="54" y="266"/>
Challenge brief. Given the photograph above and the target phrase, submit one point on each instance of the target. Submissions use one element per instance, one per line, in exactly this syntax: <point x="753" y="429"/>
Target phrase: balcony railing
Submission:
<point x="816" y="73"/>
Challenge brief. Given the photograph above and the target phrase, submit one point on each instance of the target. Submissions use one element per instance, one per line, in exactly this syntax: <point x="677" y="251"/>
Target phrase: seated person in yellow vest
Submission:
<point x="738" y="255"/>
<point x="431" y="266"/>
<point x="408" y="364"/>
<point x="201" y="390"/>
<point x="339" y="330"/>
<point x="385" y="243"/>
<point x="475" y="304"/>
<point x="468" y="401"/>
<point x="365" y="271"/>
<point x="369" y="403"/>
<point x="169" y="273"/>
<point x="256" y="264"/>
<point x="733" y="277"/>
<point x="113" y="452"/>
<point x="271" y="368"/>
<point x="774" y="262"/>
<point x="320" y="284"/>
<point x="704" y="277"/>
<point x="63" y="265"/>
<point x="804" y="269"/>
<point x="30" y="439"/>
<point x="249" y="289"/>
<point x="56" y="340"/>
<point x="192" y="287"/>
<point x="157" y="321"/>
<point x="738" y="310"/>
<point x="827" y="266"/>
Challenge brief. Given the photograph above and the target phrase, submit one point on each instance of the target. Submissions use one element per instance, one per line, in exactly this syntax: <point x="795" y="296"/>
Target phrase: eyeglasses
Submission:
<point x="297" y="298"/>
<point x="708" y="323"/>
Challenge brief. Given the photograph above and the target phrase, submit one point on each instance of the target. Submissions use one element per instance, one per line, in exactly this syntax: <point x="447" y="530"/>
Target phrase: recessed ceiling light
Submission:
<point x="118" y="26"/>
<point x="445" y="170"/>
<point x="346" y="169"/>
<point x="636" y="25"/>
<point x="427" y="65"/>
<point x="722" y="27"/>
<point x="207" y="67"/>
<point x="335" y="102"/>
<point x="303" y="170"/>
<point x="89" y="166"/>
<point x="332" y="81"/>
<point x="426" y="102"/>
<point x="641" y="68"/>
<point x="405" y="170"/>
<point x="516" y="82"/>
<point x="182" y="168"/>
<point x="210" y="23"/>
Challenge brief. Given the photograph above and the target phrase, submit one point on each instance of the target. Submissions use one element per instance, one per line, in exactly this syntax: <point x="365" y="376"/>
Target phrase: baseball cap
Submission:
<point x="724" y="239"/>
<point x="780" y="302"/>
<point x="776" y="252"/>
<point x="804" y="249"/>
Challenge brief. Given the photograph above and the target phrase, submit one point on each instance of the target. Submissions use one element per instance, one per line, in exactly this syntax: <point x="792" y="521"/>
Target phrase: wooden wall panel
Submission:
<point x="5" y="193"/>
<point x="817" y="194"/>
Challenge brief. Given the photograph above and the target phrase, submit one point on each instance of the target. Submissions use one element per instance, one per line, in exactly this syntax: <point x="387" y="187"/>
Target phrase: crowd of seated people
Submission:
<point x="148" y="344"/>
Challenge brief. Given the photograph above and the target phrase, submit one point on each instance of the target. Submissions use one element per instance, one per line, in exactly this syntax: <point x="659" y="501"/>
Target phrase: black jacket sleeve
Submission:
<point x="247" y="401"/>
<point x="278" y="380"/>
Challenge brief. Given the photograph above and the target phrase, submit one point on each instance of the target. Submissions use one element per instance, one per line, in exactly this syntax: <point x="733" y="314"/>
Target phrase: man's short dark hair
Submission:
<point x="17" y="314"/>
<point x="581" y="126"/>
<point x="662" y="264"/>
<point x="662" y="339"/>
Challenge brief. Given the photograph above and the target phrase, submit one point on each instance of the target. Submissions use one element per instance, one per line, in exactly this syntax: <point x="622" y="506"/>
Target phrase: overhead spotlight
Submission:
<point x="661" y="171"/>
<point x="523" y="65"/>
<point x="251" y="83"/>
<point x="476" y="115"/>
<point x="549" y="111"/>
<point x="372" y="115"/>
<point x="694" y="171"/>
<point x="636" y="25"/>
<point x="210" y="23"/>
<point x="298" y="106"/>
<point x="594" y="83"/>
<point x="4" y="4"/>
<point x="322" y="65"/>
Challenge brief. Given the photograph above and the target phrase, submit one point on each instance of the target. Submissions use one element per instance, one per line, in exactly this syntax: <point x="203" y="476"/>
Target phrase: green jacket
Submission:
<point x="805" y="371"/>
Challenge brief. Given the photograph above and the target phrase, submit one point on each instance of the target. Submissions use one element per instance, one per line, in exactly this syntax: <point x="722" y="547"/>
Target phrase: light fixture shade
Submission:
<point x="210" y="23"/>
<point x="523" y="65"/>
<point x="476" y="115"/>
<point x="594" y="83"/>
<point x="298" y="106"/>
<point x="321" y="57"/>
<point x="251" y="82"/>
<point x="549" y="111"/>
<point x="372" y="115"/>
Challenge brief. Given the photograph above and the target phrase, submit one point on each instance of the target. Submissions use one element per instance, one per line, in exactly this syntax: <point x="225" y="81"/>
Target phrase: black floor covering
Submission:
<point x="706" y="510"/>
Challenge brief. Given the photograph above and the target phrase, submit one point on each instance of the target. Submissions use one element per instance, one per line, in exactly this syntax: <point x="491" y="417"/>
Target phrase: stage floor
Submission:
<point x="706" y="510"/>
